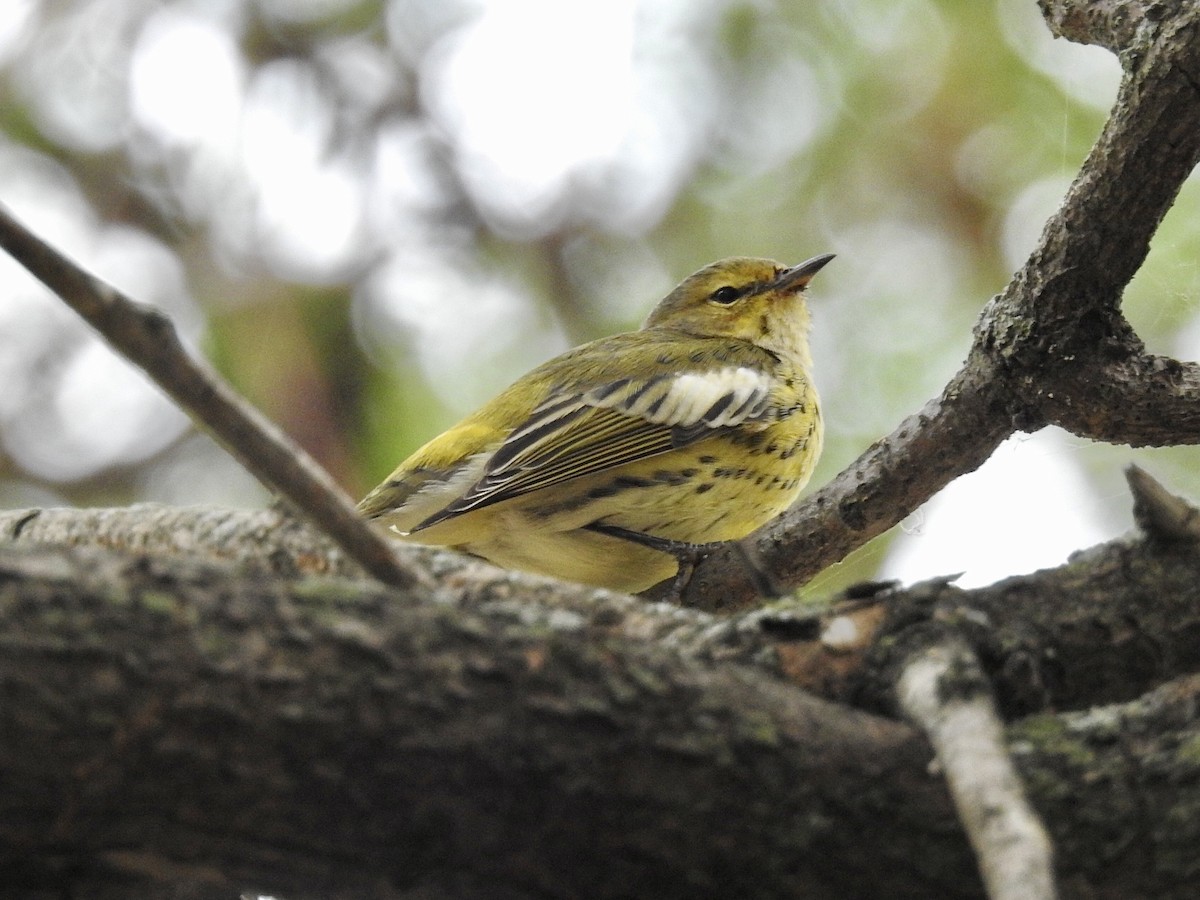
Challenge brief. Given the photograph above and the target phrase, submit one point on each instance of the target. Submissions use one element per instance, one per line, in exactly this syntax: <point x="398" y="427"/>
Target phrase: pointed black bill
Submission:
<point x="797" y="277"/>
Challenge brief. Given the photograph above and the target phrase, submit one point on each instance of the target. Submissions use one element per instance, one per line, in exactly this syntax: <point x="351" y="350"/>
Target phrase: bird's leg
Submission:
<point x="687" y="557"/>
<point x="686" y="554"/>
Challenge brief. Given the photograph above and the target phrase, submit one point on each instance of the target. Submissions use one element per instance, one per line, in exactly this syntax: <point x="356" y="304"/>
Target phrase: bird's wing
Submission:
<point x="577" y="433"/>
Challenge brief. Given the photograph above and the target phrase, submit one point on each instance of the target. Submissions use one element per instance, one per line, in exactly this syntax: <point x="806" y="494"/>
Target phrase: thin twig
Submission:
<point x="147" y="338"/>
<point x="943" y="691"/>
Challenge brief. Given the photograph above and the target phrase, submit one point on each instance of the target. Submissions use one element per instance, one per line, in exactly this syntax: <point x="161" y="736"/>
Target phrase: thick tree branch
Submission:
<point x="336" y="742"/>
<point x="342" y="743"/>
<point x="1112" y="623"/>
<point x="1053" y="348"/>
<point x="327" y="740"/>
<point x="264" y="540"/>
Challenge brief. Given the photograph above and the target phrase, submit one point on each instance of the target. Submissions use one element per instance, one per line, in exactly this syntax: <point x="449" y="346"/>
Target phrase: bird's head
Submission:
<point x="756" y="300"/>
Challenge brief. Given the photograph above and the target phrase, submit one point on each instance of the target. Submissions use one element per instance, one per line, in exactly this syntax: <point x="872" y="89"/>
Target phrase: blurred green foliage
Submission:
<point x="923" y="141"/>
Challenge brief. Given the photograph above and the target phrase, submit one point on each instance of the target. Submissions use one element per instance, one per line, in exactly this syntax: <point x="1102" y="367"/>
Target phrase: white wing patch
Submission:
<point x="721" y="397"/>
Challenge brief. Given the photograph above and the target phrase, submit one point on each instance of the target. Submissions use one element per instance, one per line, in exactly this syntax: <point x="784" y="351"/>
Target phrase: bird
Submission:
<point x="620" y="462"/>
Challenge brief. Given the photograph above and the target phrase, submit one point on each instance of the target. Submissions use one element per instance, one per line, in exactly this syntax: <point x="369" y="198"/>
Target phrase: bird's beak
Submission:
<point x="797" y="277"/>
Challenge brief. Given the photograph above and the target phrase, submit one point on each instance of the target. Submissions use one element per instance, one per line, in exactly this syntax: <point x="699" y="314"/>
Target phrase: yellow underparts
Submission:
<point x="718" y="489"/>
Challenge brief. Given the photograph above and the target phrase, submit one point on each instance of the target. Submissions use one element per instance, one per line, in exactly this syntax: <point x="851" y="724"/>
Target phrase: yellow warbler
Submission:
<point x="609" y="464"/>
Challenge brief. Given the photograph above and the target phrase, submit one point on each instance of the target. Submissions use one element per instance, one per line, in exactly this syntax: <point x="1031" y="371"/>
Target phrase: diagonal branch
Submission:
<point x="1054" y="348"/>
<point x="147" y="338"/>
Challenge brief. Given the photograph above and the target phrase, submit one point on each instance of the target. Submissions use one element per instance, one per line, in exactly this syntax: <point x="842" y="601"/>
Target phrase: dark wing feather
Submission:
<point x="620" y="422"/>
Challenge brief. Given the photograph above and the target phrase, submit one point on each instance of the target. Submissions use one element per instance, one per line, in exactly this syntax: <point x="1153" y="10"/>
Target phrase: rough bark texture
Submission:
<point x="319" y="739"/>
<point x="169" y="721"/>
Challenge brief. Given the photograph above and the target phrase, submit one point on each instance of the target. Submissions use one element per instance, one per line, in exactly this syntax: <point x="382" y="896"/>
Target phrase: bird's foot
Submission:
<point x="688" y="555"/>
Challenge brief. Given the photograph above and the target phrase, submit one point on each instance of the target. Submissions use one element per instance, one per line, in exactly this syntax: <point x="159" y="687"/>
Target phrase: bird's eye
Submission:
<point x="725" y="295"/>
